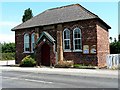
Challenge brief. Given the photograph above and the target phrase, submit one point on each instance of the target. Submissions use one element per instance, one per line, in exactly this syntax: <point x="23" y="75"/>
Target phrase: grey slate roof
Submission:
<point x="59" y="15"/>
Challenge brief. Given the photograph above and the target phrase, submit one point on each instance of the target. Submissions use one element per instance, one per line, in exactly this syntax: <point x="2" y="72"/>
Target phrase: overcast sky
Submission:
<point x="12" y="13"/>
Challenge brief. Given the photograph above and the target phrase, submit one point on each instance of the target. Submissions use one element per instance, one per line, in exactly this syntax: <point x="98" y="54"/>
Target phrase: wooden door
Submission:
<point x="45" y="55"/>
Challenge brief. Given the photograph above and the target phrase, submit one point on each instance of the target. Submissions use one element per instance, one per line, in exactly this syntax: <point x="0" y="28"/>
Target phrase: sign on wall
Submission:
<point x="86" y="49"/>
<point x="93" y="49"/>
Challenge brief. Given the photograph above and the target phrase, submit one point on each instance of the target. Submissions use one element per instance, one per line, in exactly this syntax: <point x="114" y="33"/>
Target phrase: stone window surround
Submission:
<point x="30" y="43"/>
<point x="66" y="50"/>
<point x="77" y="50"/>
<point x="69" y="50"/>
<point x="26" y="41"/>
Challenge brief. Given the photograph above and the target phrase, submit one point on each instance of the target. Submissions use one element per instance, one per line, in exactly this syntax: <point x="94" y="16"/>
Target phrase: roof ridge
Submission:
<point x="63" y="6"/>
<point x="86" y="10"/>
<point x="89" y="12"/>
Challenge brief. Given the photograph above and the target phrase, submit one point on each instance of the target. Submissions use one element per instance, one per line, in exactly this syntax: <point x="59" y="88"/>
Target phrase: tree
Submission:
<point x="8" y="47"/>
<point x="115" y="40"/>
<point x="119" y="37"/>
<point x="115" y="47"/>
<point x="110" y="39"/>
<point x="27" y="15"/>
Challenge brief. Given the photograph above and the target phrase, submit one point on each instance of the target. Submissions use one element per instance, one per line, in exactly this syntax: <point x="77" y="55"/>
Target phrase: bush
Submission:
<point x="8" y="47"/>
<point x="28" y="61"/>
<point x="64" y="64"/>
<point x="8" y="56"/>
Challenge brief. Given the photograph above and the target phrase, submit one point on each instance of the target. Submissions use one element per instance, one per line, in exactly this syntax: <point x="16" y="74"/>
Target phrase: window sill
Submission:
<point x="32" y="52"/>
<point x="67" y="51"/>
<point x="77" y="50"/>
<point x="26" y="52"/>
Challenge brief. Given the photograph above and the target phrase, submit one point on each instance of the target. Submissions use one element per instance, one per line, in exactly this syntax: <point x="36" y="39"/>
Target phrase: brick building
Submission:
<point x="64" y="33"/>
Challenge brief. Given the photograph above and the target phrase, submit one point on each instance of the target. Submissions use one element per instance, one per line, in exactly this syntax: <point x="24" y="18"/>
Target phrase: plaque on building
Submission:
<point x="86" y="49"/>
<point x="93" y="49"/>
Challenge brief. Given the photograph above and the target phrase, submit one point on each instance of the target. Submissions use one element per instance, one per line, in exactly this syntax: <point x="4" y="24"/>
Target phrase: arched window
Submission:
<point x="66" y="39"/>
<point x="26" y="43"/>
<point x="32" y="41"/>
<point x="77" y="41"/>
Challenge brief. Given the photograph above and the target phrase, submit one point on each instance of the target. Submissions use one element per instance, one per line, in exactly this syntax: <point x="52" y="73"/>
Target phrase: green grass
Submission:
<point x="80" y="66"/>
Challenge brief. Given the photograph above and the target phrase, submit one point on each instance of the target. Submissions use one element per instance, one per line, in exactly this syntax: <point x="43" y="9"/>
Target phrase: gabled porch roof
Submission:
<point x="47" y="35"/>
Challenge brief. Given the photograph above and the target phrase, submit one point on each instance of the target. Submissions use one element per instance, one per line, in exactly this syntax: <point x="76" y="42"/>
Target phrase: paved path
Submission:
<point x="7" y="62"/>
<point x="65" y="71"/>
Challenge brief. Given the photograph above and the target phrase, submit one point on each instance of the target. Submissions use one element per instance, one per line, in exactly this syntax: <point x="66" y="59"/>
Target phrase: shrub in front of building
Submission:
<point x="64" y="64"/>
<point x="28" y="61"/>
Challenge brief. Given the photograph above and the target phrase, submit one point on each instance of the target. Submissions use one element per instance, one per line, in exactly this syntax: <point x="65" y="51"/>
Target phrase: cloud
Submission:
<point x="8" y="23"/>
<point x="6" y="35"/>
<point x="7" y="38"/>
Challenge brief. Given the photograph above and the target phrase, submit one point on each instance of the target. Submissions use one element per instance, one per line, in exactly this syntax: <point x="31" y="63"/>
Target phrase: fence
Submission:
<point x="113" y="60"/>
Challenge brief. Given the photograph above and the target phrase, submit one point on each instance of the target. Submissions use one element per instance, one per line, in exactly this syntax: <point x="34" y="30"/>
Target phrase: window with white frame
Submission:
<point x="66" y="39"/>
<point x="77" y="42"/>
<point x="32" y="41"/>
<point x="26" y="43"/>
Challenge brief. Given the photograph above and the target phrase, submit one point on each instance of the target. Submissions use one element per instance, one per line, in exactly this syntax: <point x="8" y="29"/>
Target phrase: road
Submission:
<point x="19" y="79"/>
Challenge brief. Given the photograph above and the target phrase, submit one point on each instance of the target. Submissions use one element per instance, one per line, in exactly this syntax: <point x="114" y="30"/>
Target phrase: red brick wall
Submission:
<point x="19" y="43"/>
<point x="80" y="58"/>
<point x="102" y="44"/>
<point x="89" y="37"/>
<point x="92" y="34"/>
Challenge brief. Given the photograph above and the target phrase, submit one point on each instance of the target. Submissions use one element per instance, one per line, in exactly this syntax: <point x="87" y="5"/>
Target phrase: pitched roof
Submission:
<point x="47" y="35"/>
<point x="59" y="15"/>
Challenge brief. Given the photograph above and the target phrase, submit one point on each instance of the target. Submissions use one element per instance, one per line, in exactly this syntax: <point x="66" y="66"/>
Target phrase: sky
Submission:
<point x="11" y="14"/>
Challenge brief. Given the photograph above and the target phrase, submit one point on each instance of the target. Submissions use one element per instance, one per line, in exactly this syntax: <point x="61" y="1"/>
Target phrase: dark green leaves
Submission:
<point x="27" y="15"/>
<point x="115" y="47"/>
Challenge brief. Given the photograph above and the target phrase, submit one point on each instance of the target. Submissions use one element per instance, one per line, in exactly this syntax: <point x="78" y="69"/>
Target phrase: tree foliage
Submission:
<point x="115" y="47"/>
<point x="8" y="56"/>
<point x="8" y="47"/>
<point x="27" y="15"/>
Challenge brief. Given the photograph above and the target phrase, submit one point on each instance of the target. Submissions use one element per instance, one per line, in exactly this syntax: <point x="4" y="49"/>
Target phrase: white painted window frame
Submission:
<point x="26" y="42"/>
<point x="66" y="50"/>
<point x="77" y="50"/>
<point x="32" y="41"/>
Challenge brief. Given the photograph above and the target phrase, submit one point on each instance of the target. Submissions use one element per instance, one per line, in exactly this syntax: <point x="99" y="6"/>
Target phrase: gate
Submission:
<point x="113" y="60"/>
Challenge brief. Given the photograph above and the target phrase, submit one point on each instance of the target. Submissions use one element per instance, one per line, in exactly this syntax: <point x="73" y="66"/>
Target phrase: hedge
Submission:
<point x="7" y="56"/>
<point x="80" y="66"/>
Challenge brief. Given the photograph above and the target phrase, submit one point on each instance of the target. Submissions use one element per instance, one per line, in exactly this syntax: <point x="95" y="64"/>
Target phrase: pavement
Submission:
<point x="7" y="62"/>
<point x="65" y="71"/>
